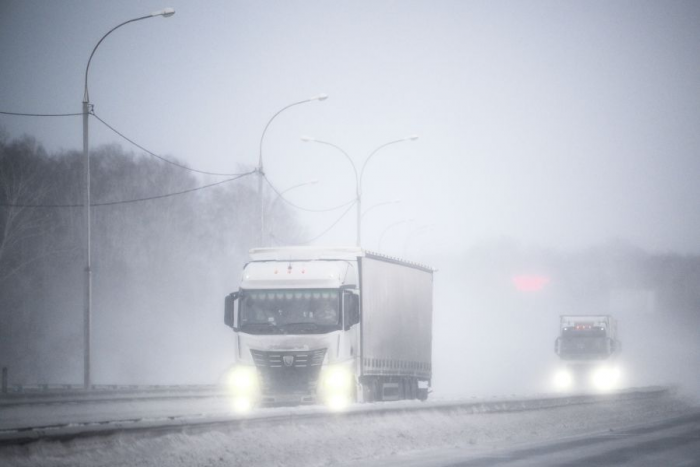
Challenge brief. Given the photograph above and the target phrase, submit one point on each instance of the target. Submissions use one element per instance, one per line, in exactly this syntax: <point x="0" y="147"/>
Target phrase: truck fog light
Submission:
<point x="243" y="380"/>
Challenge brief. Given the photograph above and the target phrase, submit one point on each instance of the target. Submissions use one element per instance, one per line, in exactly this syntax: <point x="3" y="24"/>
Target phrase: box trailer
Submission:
<point x="333" y="325"/>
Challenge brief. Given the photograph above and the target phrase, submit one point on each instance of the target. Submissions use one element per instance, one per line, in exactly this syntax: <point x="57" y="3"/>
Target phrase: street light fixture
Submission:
<point x="360" y="174"/>
<point x="261" y="172"/>
<point x="167" y="12"/>
<point x="408" y="138"/>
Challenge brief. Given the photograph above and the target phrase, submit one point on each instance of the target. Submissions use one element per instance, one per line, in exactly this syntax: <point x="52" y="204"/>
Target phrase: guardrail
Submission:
<point x="12" y="389"/>
<point x="65" y="393"/>
<point x="67" y="431"/>
<point x="8" y="390"/>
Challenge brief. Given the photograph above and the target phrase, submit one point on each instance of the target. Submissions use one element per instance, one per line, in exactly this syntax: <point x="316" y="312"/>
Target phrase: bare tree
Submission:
<point x="23" y="183"/>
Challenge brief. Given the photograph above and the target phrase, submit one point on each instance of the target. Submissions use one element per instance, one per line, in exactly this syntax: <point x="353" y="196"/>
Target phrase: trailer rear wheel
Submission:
<point x="373" y="390"/>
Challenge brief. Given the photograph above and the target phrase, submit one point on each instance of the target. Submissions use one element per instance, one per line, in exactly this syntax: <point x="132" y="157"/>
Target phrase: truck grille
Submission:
<point x="285" y="372"/>
<point x="584" y="348"/>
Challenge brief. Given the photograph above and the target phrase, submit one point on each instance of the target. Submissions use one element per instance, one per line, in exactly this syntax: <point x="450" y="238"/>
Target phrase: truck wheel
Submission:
<point x="377" y="389"/>
<point x="367" y="392"/>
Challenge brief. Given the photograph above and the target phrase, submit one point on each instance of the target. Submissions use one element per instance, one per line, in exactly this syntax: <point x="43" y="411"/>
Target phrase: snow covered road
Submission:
<point x="377" y="437"/>
<point x="671" y="441"/>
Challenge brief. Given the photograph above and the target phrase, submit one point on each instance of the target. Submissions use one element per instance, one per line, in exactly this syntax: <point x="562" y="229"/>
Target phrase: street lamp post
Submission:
<point x="360" y="174"/>
<point x="261" y="172"/>
<point x="86" y="199"/>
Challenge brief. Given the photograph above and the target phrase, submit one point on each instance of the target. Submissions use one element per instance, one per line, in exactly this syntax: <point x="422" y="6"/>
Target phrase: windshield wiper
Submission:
<point x="303" y="325"/>
<point x="263" y="324"/>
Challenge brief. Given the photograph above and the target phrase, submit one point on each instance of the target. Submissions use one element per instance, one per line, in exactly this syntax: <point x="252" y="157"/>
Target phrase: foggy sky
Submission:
<point x="554" y="123"/>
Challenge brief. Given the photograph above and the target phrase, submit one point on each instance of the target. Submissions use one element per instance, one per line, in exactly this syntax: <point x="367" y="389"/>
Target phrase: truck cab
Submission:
<point x="588" y="347"/>
<point x="586" y="338"/>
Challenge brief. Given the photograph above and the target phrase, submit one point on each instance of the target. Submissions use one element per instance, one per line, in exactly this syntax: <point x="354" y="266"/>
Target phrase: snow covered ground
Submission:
<point x="368" y="439"/>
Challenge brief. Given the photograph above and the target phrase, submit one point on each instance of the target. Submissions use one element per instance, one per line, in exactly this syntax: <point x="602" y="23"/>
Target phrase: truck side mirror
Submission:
<point x="229" y="310"/>
<point x="613" y="346"/>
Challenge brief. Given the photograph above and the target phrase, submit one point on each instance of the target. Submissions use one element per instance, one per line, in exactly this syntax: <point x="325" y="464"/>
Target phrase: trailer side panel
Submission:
<point x="397" y="308"/>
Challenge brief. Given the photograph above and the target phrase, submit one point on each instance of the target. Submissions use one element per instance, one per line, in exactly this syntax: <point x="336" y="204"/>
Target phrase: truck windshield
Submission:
<point x="290" y="311"/>
<point x="583" y="331"/>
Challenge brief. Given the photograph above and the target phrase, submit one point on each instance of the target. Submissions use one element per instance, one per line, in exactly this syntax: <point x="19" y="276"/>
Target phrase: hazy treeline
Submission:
<point x="160" y="268"/>
<point x="504" y="337"/>
<point x="615" y="277"/>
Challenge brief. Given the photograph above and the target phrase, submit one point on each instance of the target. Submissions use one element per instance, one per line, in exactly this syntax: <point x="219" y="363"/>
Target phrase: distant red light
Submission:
<point x="530" y="283"/>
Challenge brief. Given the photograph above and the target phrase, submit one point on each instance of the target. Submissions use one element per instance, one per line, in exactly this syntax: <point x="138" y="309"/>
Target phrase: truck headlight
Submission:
<point x="605" y="378"/>
<point x="243" y="380"/>
<point x="336" y="379"/>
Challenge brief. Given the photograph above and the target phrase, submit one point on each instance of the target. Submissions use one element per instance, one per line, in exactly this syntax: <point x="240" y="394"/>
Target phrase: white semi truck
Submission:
<point x="333" y="325"/>
<point x="588" y="346"/>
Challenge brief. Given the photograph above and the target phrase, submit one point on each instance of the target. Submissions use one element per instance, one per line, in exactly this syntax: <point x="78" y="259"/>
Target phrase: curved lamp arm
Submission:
<point x="308" y="139"/>
<point x="320" y="97"/>
<point x="395" y="201"/>
<point x="381" y="237"/>
<point x="164" y="13"/>
<point x="408" y="138"/>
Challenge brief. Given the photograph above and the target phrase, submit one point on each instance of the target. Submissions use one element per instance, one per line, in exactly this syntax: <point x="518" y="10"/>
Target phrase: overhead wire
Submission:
<point x="279" y="194"/>
<point x="348" y="204"/>
<point x="327" y="230"/>
<point x="129" y="201"/>
<point x="168" y="195"/>
<point x="151" y="153"/>
<point x="21" y="114"/>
